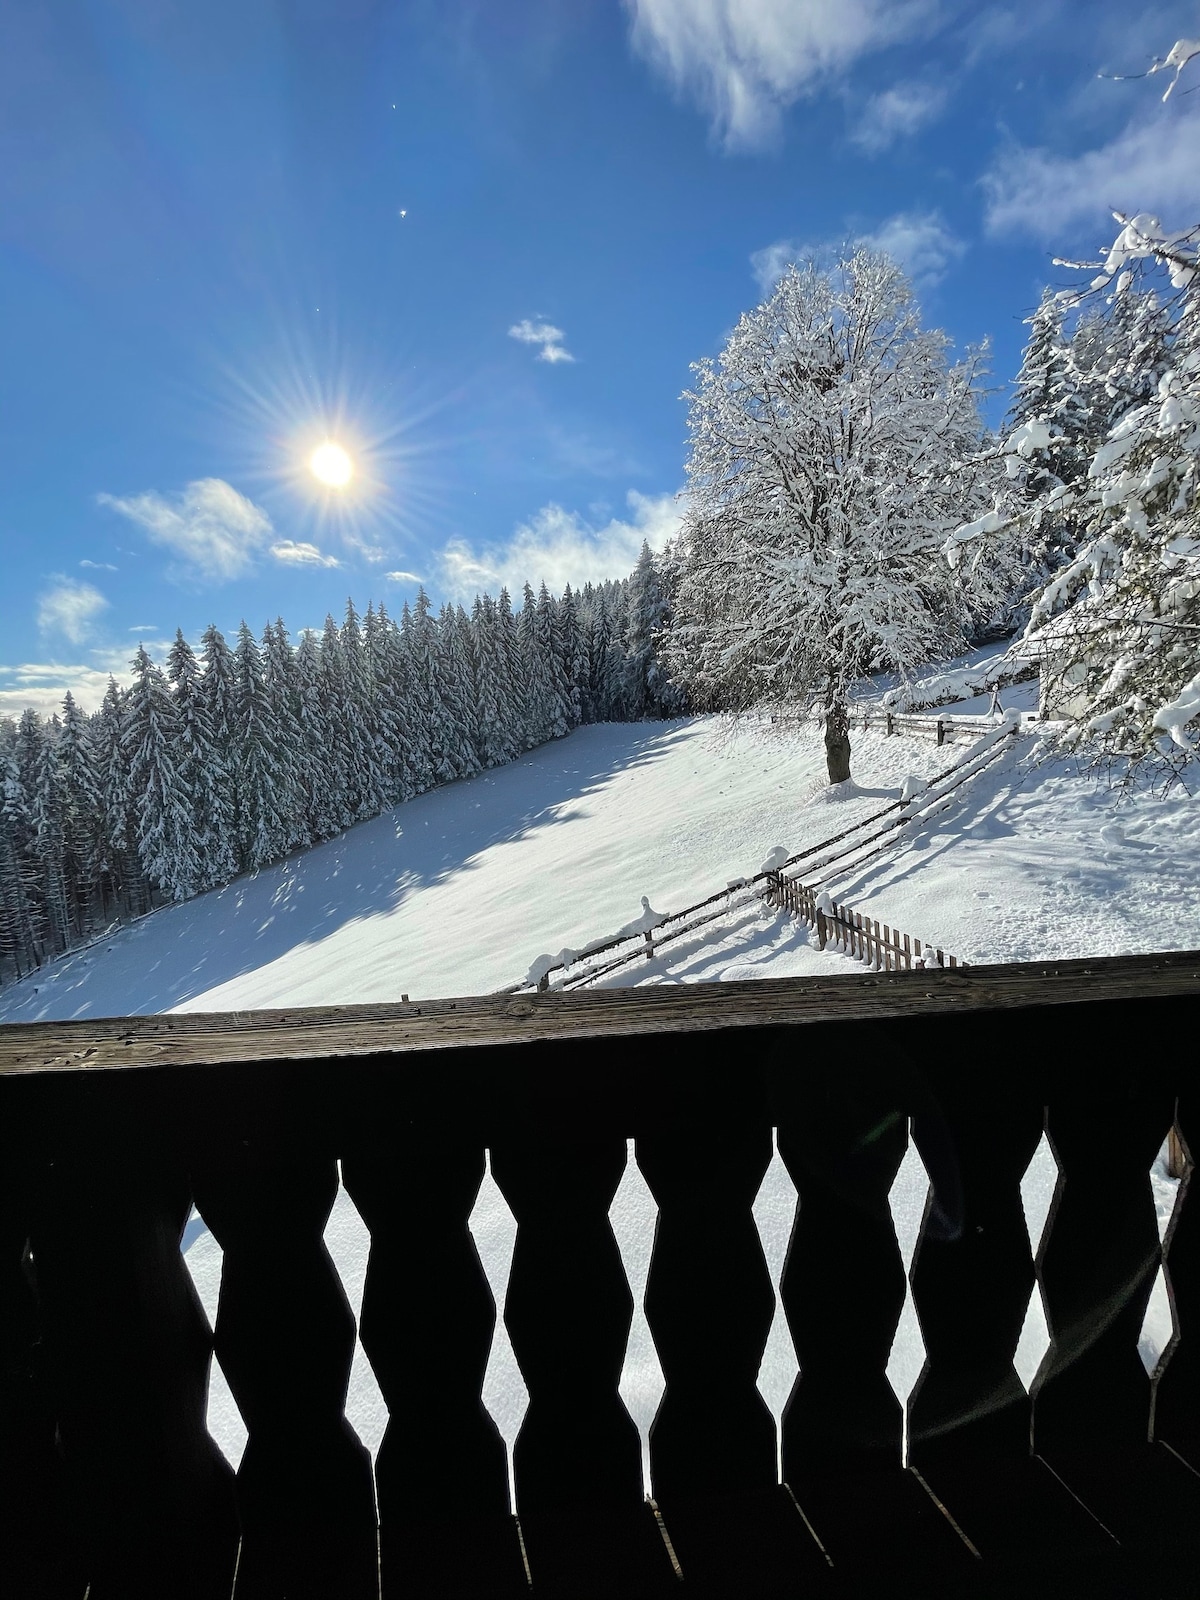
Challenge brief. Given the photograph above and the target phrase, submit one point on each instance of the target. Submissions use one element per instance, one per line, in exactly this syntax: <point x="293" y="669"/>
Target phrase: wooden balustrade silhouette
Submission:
<point x="111" y="1487"/>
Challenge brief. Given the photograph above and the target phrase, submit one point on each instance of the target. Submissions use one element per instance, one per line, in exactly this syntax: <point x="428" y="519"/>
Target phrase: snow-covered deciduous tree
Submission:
<point x="828" y="444"/>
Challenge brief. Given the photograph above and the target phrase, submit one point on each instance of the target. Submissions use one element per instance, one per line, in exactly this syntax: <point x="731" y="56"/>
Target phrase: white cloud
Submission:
<point x="70" y="608"/>
<point x="42" y="685"/>
<point x="402" y="577"/>
<point x="300" y="554"/>
<point x="98" y="566"/>
<point x="746" y="61"/>
<point x="144" y="627"/>
<point x="546" y="335"/>
<point x="919" y="241"/>
<point x="557" y="547"/>
<point x="215" y="531"/>
<point x="770" y="263"/>
<point x="1153" y="165"/>
<point x="896" y="114"/>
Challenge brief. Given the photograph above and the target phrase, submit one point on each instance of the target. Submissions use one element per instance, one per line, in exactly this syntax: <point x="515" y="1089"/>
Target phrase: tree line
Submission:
<point x="226" y="760"/>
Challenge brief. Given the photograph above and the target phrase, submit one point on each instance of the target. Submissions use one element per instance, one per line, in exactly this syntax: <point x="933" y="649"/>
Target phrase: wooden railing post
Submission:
<point x="285" y="1339"/>
<point x="129" y="1350"/>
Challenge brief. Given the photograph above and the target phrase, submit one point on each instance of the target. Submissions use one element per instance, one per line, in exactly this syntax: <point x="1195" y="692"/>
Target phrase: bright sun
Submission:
<point x="330" y="463"/>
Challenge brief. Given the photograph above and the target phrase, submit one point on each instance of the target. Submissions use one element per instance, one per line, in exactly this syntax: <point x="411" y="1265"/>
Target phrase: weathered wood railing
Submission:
<point x="110" y="1485"/>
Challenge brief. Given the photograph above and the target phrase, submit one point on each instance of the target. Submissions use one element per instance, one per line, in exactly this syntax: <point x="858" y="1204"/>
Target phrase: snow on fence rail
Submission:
<point x="856" y="936"/>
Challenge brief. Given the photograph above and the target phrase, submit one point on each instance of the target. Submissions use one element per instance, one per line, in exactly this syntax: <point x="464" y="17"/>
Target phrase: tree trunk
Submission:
<point x="837" y="743"/>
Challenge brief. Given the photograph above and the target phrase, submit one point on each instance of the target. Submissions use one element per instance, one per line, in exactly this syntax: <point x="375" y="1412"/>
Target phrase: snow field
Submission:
<point x="460" y="890"/>
<point x="457" y="891"/>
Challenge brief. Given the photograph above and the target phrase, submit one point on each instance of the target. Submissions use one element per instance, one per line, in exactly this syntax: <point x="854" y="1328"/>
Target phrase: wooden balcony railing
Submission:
<point x="1084" y="1482"/>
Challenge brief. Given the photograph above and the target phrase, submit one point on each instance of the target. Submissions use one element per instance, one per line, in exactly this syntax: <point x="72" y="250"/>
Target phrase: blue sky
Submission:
<point x="478" y="244"/>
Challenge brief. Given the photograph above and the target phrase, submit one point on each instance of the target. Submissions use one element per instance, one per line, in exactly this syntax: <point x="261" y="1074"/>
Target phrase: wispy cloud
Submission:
<point x="144" y="627"/>
<point x="1153" y="165"/>
<point x="70" y="608"/>
<point x="919" y="241"/>
<point x="216" y="532"/>
<point x="745" y="61"/>
<point x="42" y="684"/>
<point x="301" y="554"/>
<point x="546" y="336"/>
<point x="559" y="547"/>
<point x="98" y="566"/>
<point x="402" y="577"/>
<point x="897" y="113"/>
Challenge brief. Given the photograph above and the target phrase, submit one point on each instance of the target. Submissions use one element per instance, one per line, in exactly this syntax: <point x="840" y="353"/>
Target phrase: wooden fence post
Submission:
<point x="649" y="945"/>
<point x="821" y="932"/>
<point x="941" y="731"/>
<point x="890" y="729"/>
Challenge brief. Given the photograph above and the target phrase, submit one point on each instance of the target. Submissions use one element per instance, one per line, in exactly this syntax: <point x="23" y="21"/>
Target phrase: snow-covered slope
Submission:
<point x="459" y="891"/>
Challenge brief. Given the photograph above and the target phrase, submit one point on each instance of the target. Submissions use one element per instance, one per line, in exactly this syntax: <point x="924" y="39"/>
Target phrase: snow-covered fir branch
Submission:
<point x="1102" y="462"/>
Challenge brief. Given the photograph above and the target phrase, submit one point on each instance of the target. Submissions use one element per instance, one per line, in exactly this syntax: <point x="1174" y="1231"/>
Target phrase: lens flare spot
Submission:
<point x="331" y="465"/>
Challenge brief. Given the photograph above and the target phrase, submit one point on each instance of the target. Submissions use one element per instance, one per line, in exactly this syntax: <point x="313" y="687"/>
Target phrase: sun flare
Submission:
<point x="332" y="465"/>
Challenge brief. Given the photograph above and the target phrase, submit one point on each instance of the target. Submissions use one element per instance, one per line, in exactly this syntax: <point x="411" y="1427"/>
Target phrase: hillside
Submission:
<point x="461" y="889"/>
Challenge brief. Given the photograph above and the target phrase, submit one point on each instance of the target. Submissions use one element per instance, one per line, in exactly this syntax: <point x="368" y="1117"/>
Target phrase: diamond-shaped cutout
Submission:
<point x="1039" y="1186"/>
<point x="909" y="1202"/>
<point x="204" y="1259"/>
<point x="1157" y="1336"/>
<point x="348" y="1240"/>
<point x="774" y="1209"/>
<point x="1169" y="1178"/>
<point x="504" y="1394"/>
<point x="633" y="1217"/>
<point x="1034" y="1341"/>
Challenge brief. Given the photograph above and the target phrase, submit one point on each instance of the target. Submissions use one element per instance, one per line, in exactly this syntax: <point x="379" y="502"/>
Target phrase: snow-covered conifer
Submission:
<point x="165" y="824"/>
<point x="82" y="816"/>
<point x="49" y="845"/>
<point x="280" y="680"/>
<point x="420" y="647"/>
<point x="651" y="692"/>
<point x="262" y="824"/>
<point x="216" y="712"/>
<point x="549" y="649"/>
<point x="364" y="766"/>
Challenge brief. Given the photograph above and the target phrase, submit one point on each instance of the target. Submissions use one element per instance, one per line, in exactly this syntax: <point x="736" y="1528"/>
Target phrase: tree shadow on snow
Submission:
<point x="182" y="951"/>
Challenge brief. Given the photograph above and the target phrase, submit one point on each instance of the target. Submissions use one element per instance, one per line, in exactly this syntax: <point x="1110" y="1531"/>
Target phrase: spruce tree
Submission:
<point x="262" y="825"/>
<point x="82" y="817"/>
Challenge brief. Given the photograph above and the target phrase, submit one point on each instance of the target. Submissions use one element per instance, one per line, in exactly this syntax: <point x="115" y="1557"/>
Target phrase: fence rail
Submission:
<point x="886" y="948"/>
<point x="697" y="1226"/>
<point x="900" y="813"/>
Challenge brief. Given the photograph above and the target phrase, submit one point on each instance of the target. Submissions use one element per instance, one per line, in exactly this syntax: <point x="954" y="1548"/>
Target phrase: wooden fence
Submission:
<point x="846" y="846"/>
<point x="768" y="1128"/>
<point x="886" y="948"/>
